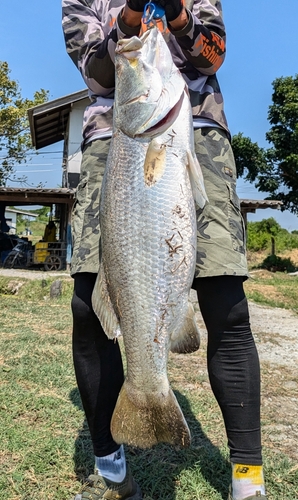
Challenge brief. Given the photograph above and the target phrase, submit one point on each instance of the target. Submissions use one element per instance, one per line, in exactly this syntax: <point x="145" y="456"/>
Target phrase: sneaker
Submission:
<point x="99" y="488"/>
<point x="257" y="496"/>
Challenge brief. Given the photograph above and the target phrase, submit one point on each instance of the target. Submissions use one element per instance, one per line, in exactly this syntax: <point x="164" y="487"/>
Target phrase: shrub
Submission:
<point x="256" y="240"/>
<point x="275" y="263"/>
<point x="259" y="236"/>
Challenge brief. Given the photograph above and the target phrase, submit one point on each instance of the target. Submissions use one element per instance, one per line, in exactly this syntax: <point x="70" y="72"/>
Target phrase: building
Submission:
<point x="61" y="120"/>
<point x="61" y="199"/>
<point x="10" y="215"/>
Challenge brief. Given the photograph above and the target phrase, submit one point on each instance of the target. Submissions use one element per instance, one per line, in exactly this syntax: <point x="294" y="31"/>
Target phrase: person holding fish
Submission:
<point x="156" y="139"/>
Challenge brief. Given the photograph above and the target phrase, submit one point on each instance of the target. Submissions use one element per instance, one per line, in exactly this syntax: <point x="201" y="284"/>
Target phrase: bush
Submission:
<point x="259" y="236"/>
<point x="275" y="263"/>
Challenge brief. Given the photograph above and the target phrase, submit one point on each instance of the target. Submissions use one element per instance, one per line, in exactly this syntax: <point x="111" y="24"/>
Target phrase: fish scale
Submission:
<point x="145" y="275"/>
<point x="148" y="241"/>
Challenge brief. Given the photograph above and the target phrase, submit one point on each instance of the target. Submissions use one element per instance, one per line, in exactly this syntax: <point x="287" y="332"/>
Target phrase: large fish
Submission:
<point x="148" y="237"/>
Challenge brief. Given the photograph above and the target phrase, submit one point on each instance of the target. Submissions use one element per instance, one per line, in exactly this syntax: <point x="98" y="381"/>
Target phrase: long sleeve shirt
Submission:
<point x="93" y="27"/>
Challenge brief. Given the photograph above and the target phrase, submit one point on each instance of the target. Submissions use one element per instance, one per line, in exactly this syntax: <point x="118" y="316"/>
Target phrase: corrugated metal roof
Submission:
<point x="253" y="205"/>
<point x="48" y="121"/>
<point x="22" y="212"/>
<point x="35" y="196"/>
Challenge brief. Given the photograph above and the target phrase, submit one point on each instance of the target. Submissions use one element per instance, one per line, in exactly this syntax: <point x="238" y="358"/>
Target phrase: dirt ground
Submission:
<point x="32" y="275"/>
<point x="255" y="258"/>
<point x="276" y="335"/>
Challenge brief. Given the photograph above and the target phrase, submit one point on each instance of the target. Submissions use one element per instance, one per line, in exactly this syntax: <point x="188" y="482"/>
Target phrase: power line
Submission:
<point x="38" y="154"/>
<point x="32" y="165"/>
<point x="30" y="171"/>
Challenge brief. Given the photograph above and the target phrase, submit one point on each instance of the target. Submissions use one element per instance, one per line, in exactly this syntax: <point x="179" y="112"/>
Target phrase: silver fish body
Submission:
<point x="148" y="238"/>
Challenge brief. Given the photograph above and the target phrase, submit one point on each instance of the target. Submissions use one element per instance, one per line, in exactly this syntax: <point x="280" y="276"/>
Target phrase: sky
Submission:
<point x="262" y="45"/>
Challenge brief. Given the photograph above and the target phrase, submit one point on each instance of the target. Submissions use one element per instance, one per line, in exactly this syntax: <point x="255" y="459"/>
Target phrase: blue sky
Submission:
<point x="262" y="45"/>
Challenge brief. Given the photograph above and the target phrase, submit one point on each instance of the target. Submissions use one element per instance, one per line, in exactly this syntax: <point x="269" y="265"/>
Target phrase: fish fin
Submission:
<point x="196" y="180"/>
<point x="155" y="162"/>
<point x="187" y="339"/>
<point x="103" y="307"/>
<point x="159" y="420"/>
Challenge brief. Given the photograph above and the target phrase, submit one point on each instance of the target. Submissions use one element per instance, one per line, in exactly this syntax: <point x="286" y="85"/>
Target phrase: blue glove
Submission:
<point x="172" y="8"/>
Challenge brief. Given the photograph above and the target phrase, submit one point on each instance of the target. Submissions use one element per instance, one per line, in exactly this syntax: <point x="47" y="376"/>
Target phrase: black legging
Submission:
<point x="98" y="366"/>
<point x="233" y="364"/>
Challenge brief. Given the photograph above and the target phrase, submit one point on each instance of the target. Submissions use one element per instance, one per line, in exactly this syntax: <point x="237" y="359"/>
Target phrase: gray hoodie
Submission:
<point x="93" y="27"/>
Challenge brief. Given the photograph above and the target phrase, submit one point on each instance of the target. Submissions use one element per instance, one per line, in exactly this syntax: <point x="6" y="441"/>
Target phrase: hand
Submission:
<point x="136" y="5"/>
<point x="173" y="8"/>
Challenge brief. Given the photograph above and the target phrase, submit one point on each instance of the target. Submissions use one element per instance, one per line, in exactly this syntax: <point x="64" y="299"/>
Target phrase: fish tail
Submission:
<point x="160" y="420"/>
<point x="187" y="339"/>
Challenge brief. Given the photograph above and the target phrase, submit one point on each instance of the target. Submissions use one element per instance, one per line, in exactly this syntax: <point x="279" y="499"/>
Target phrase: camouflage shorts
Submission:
<point x="85" y="215"/>
<point x="221" y="245"/>
<point x="221" y="235"/>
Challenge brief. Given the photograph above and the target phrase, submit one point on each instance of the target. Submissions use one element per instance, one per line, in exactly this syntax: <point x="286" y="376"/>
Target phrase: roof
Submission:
<point x="36" y="196"/>
<point x="48" y="121"/>
<point x="22" y="212"/>
<point x="39" y="196"/>
<point x="252" y="205"/>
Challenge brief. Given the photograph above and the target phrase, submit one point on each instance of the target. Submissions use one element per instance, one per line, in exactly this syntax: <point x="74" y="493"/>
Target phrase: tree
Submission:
<point x="261" y="232"/>
<point x="43" y="213"/>
<point x="250" y="159"/>
<point x="15" y="140"/>
<point x="271" y="227"/>
<point x="275" y="170"/>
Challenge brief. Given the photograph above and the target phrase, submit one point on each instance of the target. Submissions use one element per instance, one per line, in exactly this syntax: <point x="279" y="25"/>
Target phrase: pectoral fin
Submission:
<point x="103" y="306"/>
<point x="196" y="180"/>
<point x="187" y="339"/>
<point x="155" y="162"/>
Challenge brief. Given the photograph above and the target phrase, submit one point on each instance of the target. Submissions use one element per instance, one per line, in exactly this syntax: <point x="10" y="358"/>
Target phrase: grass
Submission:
<point x="45" y="448"/>
<point x="273" y="289"/>
<point x="37" y="229"/>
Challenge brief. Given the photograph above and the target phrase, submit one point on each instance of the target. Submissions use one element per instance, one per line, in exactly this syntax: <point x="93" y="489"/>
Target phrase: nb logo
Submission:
<point x="242" y="470"/>
<point x="117" y="456"/>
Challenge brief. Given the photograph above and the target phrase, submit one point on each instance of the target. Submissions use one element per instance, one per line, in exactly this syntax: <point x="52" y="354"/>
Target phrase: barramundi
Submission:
<point x="151" y="186"/>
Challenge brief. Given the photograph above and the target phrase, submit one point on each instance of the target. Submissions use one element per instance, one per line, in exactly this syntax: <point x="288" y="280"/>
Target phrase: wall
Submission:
<point x="11" y="220"/>
<point x="74" y="141"/>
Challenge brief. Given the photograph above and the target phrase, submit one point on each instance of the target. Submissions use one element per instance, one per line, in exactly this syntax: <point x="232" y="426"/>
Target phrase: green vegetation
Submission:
<point x="275" y="289"/>
<point x="259" y="236"/>
<point x="36" y="289"/>
<point x="15" y="139"/>
<point x="275" y="263"/>
<point x="45" y="447"/>
<point x="36" y="226"/>
<point x="274" y="170"/>
<point x="37" y="230"/>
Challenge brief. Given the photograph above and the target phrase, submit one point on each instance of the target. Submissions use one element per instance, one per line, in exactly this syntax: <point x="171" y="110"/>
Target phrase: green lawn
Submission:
<point x="45" y="449"/>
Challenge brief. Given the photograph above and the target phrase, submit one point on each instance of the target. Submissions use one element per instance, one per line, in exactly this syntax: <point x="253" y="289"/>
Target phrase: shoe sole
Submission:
<point x="254" y="497"/>
<point x="137" y="495"/>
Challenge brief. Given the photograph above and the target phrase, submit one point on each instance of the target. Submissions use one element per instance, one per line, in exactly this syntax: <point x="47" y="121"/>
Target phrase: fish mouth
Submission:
<point x="165" y="122"/>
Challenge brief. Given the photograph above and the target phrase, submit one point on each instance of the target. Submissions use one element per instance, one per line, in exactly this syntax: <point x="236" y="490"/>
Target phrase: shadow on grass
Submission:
<point x="164" y="468"/>
<point x="83" y="453"/>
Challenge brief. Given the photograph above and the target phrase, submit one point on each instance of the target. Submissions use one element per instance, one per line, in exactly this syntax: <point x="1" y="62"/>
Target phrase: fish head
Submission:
<point x="148" y="85"/>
